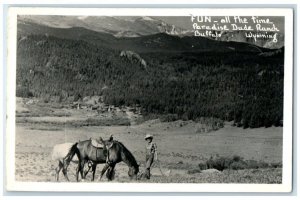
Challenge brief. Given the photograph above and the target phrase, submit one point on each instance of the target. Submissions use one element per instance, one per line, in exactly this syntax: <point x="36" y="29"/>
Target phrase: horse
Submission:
<point x="117" y="152"/>
<point x="59" y="152"/>
<point x="112" y="153"/>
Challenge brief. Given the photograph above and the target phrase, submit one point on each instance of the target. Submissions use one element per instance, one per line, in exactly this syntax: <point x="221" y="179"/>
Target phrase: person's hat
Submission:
<point x="148" y="136"/>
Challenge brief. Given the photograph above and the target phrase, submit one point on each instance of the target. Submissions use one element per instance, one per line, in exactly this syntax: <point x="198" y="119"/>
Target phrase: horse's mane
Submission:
<point x="128" y="154"/>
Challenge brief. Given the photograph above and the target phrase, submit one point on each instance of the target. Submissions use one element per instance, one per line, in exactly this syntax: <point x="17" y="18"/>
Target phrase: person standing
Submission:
<point x="151" y="154"/>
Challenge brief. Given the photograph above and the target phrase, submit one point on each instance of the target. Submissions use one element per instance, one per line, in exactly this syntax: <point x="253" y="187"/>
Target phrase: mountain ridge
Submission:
<point x="148" y="43"/>
<point x="121" y="26"/>
<point x="138" y="26"/>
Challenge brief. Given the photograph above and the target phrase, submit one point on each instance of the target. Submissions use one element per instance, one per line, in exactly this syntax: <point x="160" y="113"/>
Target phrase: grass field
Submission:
<point x="181" y="148"/>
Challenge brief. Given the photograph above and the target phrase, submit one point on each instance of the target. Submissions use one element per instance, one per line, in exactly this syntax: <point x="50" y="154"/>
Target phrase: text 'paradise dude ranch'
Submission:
<point x="253" y="26"/>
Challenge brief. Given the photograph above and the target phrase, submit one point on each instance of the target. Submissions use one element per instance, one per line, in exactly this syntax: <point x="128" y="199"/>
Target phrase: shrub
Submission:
<point x="169" y="118"/>
<point x="24" y="92"/>
<point x="236" y="163"/>
<point x="194" y="171"/>
<point x="237" y="158"/>
<point x="276" y="165"/>
<point x="208" y="124"/>
<point x="202" y="166"/>
<point x="252" y="164"/>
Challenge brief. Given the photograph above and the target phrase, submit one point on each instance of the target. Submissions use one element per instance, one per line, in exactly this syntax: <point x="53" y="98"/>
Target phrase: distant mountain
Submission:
<point x="137" y="26"/>
<point x="117" y="26"/>
<point x="159" y="42"/>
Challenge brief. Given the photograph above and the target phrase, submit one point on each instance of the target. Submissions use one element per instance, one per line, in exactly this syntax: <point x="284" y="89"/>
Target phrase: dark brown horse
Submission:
<point x="117" y="152"/>
<point x="112" y="153"/>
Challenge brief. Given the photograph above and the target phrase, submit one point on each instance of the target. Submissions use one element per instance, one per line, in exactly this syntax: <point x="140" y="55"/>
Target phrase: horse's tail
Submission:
<point x="68" y="158"/>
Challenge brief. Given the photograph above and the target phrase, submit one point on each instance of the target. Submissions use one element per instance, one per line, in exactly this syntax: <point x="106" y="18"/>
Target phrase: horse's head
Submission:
<point x="121" y="153"/>
<point x="109" y="143"/>
<point x="133" y="171"/>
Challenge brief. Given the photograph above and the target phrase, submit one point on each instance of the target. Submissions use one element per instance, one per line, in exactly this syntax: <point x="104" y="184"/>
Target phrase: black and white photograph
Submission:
<point x="150" y="97"/>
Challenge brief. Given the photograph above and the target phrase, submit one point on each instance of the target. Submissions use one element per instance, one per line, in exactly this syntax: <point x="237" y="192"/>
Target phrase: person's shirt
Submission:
<point x="151" y="148"/>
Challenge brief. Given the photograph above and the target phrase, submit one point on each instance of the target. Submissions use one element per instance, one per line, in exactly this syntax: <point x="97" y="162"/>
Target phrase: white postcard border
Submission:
<point x="13" y="185"/>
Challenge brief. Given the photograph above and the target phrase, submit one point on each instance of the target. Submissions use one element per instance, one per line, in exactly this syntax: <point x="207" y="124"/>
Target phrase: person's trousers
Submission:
<point x="149" y="161"/>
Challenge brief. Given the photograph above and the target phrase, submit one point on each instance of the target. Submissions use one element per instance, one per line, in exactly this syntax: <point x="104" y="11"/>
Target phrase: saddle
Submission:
<point x="97" y="143"/>
<point x="100" y="143"/>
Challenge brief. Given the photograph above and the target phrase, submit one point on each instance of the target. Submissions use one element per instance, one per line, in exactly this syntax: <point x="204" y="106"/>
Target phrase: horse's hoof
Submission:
<point x="82" y="180"/>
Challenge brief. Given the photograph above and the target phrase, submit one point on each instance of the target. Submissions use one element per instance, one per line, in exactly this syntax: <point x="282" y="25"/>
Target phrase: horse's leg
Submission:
<point x="110" y="172"/>
<point x="87" y="171"/>
<point x="82" y="168"/>
<point x="106" y="166"/>
<point x="64" y="169"/>
<point x="78" y="170"/>
<point x="57" y="170"/>
<point x="94" y="170"/>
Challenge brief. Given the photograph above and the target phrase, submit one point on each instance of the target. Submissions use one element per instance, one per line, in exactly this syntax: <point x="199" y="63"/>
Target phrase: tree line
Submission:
<point x="239" y="86"/>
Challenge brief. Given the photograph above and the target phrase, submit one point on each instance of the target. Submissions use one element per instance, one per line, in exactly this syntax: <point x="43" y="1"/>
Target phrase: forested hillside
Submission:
<point x="230" y="85"/>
